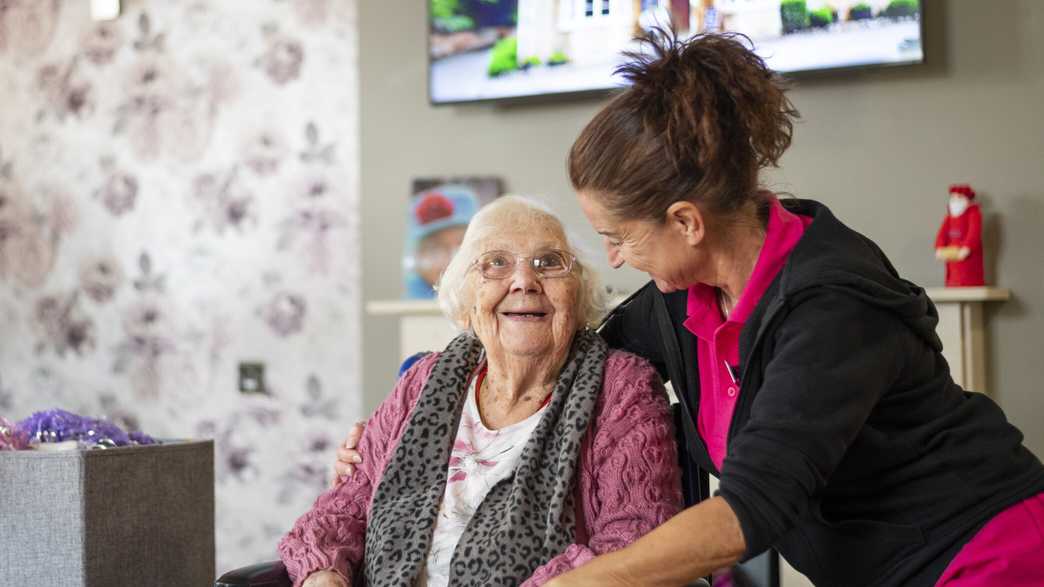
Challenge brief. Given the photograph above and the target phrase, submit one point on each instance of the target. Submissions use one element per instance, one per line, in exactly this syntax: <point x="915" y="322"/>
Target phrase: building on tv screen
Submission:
<point x="490" y="49"/>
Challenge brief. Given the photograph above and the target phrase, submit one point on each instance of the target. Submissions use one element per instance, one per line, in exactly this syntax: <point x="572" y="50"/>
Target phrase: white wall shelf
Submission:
<point x="968" y="294"/>
<point x="422" y="327"/>
<point x="961" y="328"/>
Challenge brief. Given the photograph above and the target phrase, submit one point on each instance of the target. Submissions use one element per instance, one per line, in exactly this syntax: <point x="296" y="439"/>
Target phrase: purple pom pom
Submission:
<point x="60" y="425"/>
<point x="141" y="438"/>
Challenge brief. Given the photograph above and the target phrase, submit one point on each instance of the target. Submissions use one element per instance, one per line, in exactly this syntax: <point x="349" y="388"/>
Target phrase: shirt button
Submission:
<point x="732" y="392"/>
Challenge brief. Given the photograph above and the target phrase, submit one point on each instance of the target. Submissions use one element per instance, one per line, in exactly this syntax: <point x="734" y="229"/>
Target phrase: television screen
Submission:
<point x="492" y="49"/>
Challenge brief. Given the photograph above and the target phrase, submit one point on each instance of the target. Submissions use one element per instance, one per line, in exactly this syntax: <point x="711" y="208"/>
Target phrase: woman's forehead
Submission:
<point x="523" y="241"/>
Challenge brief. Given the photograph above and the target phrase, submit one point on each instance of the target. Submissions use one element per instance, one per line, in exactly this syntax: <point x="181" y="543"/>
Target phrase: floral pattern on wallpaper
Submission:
<point x="177" y="196"/>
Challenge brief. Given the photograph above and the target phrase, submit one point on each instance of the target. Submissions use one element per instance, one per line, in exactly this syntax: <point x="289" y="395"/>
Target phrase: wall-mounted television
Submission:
<point x="501" y="49"/>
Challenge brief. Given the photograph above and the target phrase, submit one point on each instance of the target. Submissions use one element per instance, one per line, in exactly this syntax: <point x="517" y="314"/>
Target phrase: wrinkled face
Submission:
<point x="658" y="249"/>
<point x="524" y="314"/>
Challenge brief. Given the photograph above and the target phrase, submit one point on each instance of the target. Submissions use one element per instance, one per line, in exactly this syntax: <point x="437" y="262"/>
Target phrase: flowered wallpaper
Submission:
<point x="178" y="195"/>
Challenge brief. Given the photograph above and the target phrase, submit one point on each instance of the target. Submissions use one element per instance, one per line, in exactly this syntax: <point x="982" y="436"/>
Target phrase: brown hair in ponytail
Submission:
<point x="699" y="120"/>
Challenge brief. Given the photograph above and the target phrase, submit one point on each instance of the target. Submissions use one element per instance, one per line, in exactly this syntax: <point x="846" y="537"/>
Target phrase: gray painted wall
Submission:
<point x="879" y="147"/>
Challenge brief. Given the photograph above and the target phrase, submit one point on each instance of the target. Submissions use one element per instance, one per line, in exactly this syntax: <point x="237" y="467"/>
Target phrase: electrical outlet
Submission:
<point x="252" y="378"/>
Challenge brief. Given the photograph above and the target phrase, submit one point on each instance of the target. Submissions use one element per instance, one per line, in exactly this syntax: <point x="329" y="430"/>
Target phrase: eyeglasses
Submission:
<point x="546" y="264"/>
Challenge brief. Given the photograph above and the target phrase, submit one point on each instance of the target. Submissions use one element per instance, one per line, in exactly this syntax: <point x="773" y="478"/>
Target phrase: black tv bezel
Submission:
<point x="544" y="97"/>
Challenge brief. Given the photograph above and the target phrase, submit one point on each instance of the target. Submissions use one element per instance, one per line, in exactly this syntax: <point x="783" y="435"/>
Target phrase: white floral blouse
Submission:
<point x="480" y="459"/>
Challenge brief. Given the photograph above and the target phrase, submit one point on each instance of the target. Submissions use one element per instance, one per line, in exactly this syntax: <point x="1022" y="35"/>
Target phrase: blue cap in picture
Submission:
<point x="440" y="207"/>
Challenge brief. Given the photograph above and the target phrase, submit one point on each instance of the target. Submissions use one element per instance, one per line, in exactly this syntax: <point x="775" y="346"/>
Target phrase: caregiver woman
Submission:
<point x="811" y="371"/>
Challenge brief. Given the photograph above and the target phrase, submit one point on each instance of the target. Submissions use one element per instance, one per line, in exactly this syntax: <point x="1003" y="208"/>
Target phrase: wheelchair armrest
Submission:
<point x="268" y="574"/>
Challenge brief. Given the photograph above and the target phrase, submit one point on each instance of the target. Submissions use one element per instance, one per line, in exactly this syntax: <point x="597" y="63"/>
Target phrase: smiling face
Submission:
<point x="524" y="314"/>
<point x="665" y="251"/>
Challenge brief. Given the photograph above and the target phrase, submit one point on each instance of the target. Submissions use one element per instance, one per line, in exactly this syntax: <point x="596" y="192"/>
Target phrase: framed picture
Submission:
<point x="438" y="214"/>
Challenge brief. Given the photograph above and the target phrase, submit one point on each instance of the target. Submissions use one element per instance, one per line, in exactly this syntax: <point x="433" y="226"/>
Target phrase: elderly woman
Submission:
<point x="521" y="451"/>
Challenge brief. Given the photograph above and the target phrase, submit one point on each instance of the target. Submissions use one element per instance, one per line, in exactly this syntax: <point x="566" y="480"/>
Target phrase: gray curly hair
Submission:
<point x="520" y="213"/>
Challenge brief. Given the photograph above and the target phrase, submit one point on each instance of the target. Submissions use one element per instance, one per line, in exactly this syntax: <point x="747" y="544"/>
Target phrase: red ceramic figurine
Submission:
<point x="959" y="241"/>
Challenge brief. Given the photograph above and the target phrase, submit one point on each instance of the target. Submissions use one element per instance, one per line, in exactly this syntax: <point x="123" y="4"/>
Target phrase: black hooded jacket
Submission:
<point x="851" y="450"/>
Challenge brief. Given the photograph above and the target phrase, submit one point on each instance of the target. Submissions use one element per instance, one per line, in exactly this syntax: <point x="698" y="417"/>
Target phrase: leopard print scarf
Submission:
<point x="525" y="520"/>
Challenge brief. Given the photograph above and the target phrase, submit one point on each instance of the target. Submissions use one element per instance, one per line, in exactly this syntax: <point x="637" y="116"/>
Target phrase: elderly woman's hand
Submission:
<point x="347" y="456"/>
<point x="325" y="579"/>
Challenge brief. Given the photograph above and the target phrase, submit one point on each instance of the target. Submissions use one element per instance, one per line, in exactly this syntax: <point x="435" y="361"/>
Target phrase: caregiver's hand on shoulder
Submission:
<point x="347" y="456"/>
<point x="325" y="579"/>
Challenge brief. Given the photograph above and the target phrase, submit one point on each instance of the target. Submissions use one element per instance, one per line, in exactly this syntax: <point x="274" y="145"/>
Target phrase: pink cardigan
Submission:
<point x="628" y="476"/>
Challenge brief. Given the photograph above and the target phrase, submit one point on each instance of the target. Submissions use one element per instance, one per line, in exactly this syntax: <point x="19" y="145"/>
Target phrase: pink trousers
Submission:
<point x="1008" y="550"/>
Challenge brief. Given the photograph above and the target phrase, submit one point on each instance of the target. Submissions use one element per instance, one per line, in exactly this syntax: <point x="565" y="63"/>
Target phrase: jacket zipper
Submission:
<point x="745" y="398"/>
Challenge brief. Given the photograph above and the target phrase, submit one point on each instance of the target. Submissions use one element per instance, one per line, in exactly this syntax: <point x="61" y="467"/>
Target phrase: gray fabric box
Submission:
<point x="140" y="515"/>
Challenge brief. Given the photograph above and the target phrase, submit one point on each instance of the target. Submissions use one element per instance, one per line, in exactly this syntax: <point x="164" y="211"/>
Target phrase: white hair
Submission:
<point x="519" y="214"/>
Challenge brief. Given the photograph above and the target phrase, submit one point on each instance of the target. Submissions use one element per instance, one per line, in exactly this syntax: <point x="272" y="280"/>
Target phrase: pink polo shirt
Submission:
<point x="718" y="337"/>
